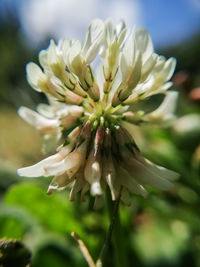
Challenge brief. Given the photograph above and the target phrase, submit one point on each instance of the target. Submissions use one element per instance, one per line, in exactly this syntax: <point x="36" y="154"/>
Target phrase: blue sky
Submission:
<point x="168" y="21"/>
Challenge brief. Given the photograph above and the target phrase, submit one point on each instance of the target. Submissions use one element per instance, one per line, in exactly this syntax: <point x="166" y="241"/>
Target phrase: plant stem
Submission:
<point x="84" y="250"/>
<point x="114" y="221"/>
<point x="118" y="244"/>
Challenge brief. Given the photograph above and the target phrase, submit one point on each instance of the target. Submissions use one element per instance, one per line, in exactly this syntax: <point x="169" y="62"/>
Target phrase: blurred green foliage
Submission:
<point x="162" y="230"/>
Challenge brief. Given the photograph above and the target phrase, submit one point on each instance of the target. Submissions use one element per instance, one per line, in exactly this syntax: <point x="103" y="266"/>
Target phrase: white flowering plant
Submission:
<point x="90" y="110"/>
<point x="97" y="93"/>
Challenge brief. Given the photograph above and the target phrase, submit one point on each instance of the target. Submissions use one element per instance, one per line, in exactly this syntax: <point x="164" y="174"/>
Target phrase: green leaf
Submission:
<point x="7" y="225"/>
<point x="54" y="212"/>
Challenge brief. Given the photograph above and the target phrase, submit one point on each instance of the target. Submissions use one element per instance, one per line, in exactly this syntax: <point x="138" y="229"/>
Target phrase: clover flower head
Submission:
<point x="89" y="110"/>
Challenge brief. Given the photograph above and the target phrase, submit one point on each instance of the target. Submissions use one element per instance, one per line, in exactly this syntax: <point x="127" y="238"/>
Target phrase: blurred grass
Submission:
<point x="19" y="142"/>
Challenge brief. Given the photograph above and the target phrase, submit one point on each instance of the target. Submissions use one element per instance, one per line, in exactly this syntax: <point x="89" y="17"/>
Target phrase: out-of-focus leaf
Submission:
<point x="15" y="222"/>
<point x="7" y="225"/>
<point x="54" y="212"/>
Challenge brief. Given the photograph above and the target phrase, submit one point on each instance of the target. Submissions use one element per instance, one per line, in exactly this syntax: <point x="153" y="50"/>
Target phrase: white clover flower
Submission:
<point x="90" y="111"/>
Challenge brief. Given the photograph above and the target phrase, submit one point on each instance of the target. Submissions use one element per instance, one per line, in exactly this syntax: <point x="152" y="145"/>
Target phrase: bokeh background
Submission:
<point x="163" y="230"/>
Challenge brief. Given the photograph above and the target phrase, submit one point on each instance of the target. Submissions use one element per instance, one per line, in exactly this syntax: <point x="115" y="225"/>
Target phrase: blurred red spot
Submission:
<point x="180" y="78"/>
<point x="195" y="94"/>
<point x="143" y="218"/>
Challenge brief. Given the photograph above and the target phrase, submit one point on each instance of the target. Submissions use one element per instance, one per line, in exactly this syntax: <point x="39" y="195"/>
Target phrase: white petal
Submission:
<point x="99" y="78"/>
<point x="169" y="68"/>
<point x="160" y="62"/>
<point x="160" y="90"/>
<point x="165" y="86"/>
<point x="37" y="170"/>
<point x="70" y="165"/>
<point x="129" y="50"/>
<point x="34" y="74"/>
<point x="96" y="189"/>
<point x="74" y="51"/>
<point x="130" y="183"/>
<point x="144" y="43"/>
<point x="148" y="66"/>
<point x="77" y="186"/>
<point x="110" y="31"/>
<point x="146" y="175"/>
<point x="167" y="108"/>
<point x="161" y="171"/>
<point x="93" y="40"/>
<point x="59" y="183"/>
<point x="60" y="45"/>
<point x="109" y="175"/>
<point x="43" y="59"/>
<point x="120" y="26"/>
<point x="135" y="77"/>
<point x="52" y="54"/>
<point x="116" y="83"/>
<point x="122" y="37"/>
<point x="92" y="173"/>
<point x="132" y="79"/>
<point x="66" y="47"/>
<point x="124" y="67"/>
<point x="46" y="110"/>
<point x="37" y="120"/>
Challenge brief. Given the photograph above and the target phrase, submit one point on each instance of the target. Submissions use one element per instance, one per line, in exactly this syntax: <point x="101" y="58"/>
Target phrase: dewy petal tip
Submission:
<point x="91" y="114"/>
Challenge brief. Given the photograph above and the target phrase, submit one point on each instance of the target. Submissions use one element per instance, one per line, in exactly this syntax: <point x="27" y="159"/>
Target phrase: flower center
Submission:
<point x="105" y="117"/>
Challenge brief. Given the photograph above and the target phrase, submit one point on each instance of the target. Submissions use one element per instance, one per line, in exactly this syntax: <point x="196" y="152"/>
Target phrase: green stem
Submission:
<point x="111" y="109"/>
<point x="113" y="231"/>
<point x="118" y="244"/>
